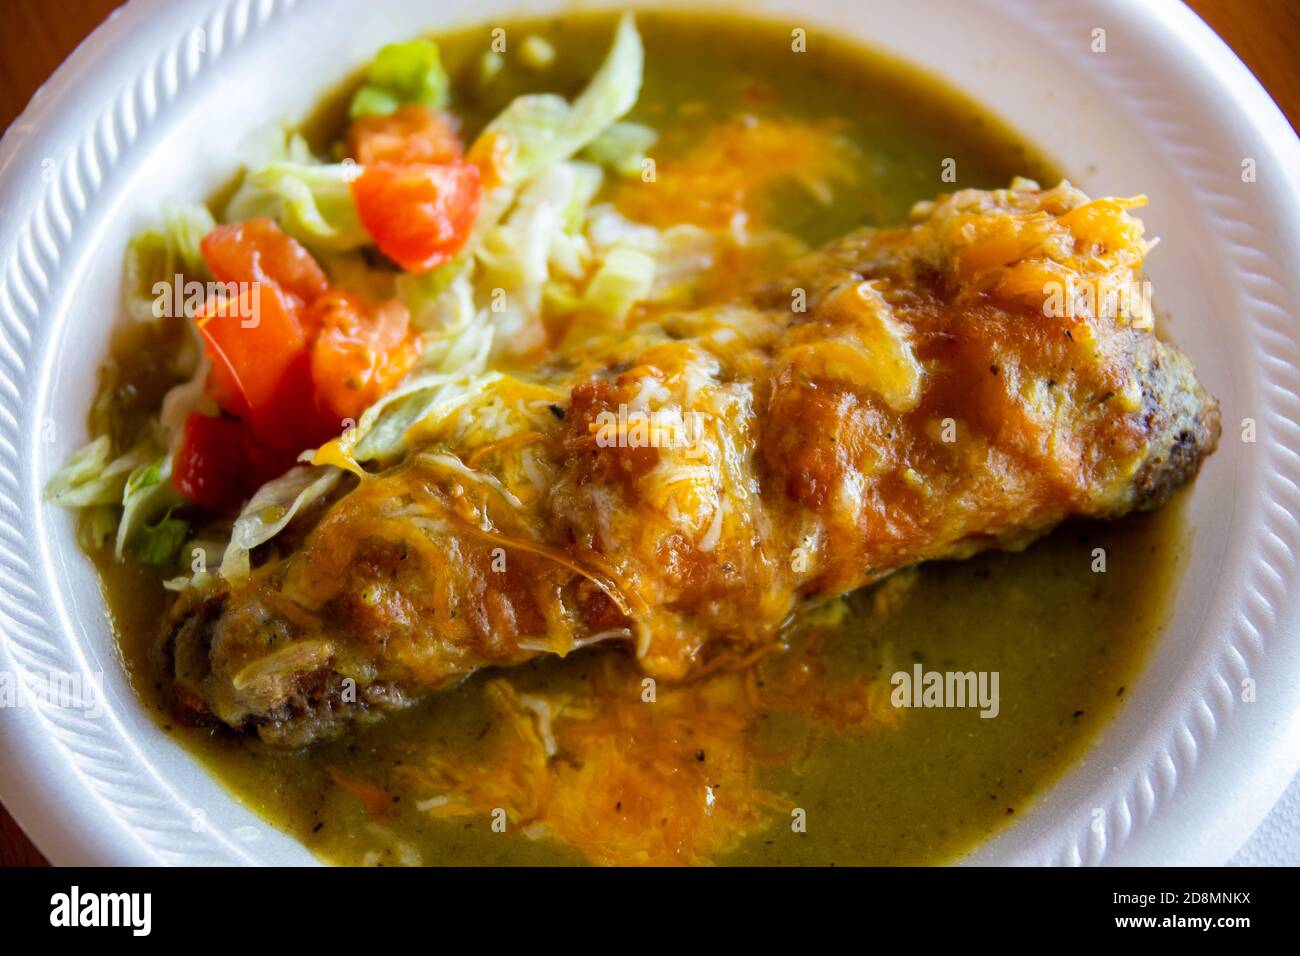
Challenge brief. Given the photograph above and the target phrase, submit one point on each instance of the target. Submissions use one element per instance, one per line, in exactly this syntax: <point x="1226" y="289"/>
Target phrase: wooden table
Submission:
<point x="35" y="39"/>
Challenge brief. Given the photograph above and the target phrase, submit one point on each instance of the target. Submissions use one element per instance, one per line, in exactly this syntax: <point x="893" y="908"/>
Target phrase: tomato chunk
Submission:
<point x="252" y="340"/>
<point x="258" y="250"/>
<point x="413" y="134"/>
<point x="209" y="465"/>
<point x="360" y="353"/>
<point x="261" y="366"/>
<point x="264" y="462"/>
<point x="221" y="462"/>
<point x="419" y="215"/>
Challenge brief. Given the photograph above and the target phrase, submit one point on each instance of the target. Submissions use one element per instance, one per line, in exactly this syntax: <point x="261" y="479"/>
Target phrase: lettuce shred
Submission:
<point x="271" y="509"/>
<point x="312" y="201"/>
<point x="159" y="254"/>
<point x="622" y="148"/>
<point x="409" y="72"/>
<point x="542" y="129"/>
<point x="91" y="477"/>
<point x="158" y="544"/>
<point x="624" y="279"/>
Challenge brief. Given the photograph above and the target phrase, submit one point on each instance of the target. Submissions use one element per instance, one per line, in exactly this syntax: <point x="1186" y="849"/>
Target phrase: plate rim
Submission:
<point x="30" y="252"/>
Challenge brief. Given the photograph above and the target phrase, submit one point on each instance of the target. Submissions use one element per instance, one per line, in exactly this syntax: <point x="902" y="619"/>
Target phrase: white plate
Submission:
<point x="154" y="105"/>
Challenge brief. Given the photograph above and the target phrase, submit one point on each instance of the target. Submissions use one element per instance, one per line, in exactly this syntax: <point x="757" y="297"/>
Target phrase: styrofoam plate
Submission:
<point x="155" y="104"/>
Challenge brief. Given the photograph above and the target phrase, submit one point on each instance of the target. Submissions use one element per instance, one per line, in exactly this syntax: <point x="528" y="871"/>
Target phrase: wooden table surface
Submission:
<point x="36" y="36"/>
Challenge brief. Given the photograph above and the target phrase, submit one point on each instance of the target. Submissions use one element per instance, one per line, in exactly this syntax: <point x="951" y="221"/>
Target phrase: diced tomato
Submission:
<point x="263" y="462"/>
<point x="221" y="462"/>
<point x="292" y="419"/>
<point x="418" y="215"/>
<point x="209" y="466"/>
<point x="257" y="250"/>
<point x="222" y="386"/>
<point x="413" y="134"/>
<point x="252" y="340"/>
<point x="261" y="367"/>
<point x="360" y="353"/>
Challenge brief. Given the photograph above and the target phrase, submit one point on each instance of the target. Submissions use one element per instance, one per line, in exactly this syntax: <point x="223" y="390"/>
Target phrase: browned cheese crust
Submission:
<point x="967" y="381"/>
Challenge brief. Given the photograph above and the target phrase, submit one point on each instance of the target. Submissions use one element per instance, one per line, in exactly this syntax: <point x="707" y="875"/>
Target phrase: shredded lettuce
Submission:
<point x="311" y="201"/>
<point x="517" y="256"/>
<point x="275" y="143"/>
<point x="542" y="129"/>
<point x="570" y="250"/>
<point x="148" y="493"/>
<point x="271" y="509"/>
<point x="612" y="92"/>
<point x="157" y="255"/>
<point x="382" y="432"/>
<point x="457" y="335"/>
<point x="91" y="478"/>
<point x="137" y="481"/>
<point x="624" y="279"/>
<point x="99" y="522"/>
<point x="186" y="224"/>
<point x="372" y="101"/>
<point x="622" y="148"/>
<point x="683" y="254"/>
<point x="545" y="195"/>
<point x="157" y="544"/>
<point x="421" y="292"/>
<point x="409" y="72"/>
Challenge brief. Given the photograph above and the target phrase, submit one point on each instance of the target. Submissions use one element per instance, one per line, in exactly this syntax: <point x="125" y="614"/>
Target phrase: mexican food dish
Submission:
<point x="615" y="441"/>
